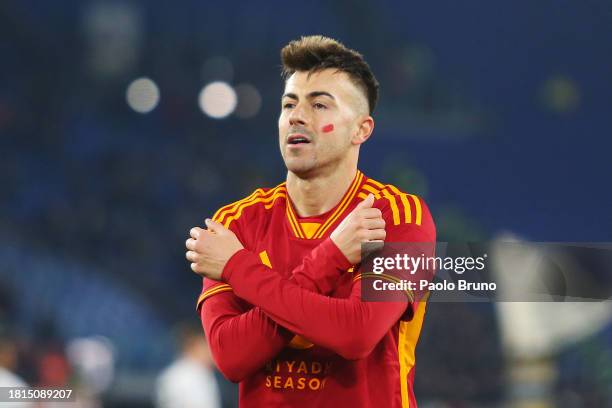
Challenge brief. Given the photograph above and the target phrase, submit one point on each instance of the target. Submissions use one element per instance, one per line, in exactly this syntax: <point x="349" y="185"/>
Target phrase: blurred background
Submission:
<point x="125" y="123"/>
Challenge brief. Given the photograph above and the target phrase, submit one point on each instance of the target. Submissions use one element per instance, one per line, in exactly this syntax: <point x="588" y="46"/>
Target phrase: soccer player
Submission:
<point x="281" y="301"/>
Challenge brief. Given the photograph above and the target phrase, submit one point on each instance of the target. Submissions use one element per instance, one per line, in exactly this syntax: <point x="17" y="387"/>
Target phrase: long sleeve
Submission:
<point x="243" y="339"/>
<point x="348" y="326"/>
<point x="320" y="269"/>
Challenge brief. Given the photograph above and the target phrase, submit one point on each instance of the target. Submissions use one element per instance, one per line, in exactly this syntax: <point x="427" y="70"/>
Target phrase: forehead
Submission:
<point x="335" y="82"/>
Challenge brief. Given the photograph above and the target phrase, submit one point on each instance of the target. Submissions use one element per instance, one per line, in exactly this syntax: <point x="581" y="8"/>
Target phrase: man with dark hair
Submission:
<point x="316" y="53"/>
<point x="281" y="300"/>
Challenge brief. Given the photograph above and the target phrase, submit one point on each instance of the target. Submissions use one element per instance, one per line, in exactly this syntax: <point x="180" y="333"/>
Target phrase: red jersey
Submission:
<point x="288" y="322"/>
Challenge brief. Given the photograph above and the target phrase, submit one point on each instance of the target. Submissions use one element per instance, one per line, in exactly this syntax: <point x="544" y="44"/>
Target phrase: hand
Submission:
<point x="209" y="250"/>
<point x="363" y="224"/>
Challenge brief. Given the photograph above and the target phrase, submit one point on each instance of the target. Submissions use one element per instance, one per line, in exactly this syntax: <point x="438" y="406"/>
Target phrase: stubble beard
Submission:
<point x="311" y="167"/>
<point x="303" y="167"/>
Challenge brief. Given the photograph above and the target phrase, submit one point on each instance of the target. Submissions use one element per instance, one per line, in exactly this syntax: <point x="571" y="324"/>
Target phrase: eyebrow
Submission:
<point x="311" y="95"/>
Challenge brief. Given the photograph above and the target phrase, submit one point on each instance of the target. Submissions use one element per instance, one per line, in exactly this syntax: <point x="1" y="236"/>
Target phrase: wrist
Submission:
<point x="233" y="263"/>
<point x="335" y="254"/>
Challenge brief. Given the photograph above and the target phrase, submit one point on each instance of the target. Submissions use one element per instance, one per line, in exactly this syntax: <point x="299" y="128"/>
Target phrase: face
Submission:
<point x="323" y="120"/>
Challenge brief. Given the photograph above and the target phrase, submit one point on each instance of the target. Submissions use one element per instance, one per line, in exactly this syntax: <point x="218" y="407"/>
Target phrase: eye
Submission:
<point x="319" y="105"/>
<point x="288" y="105"/>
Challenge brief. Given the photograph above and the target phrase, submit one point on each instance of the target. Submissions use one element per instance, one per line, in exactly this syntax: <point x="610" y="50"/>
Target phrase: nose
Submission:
<point x="297" y="117"/>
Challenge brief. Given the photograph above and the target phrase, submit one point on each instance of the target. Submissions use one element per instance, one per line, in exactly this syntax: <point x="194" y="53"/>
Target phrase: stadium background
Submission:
<point x="497" y="113"/>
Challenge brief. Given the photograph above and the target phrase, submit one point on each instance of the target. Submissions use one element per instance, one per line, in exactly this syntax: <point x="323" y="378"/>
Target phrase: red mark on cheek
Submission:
<point x="328" y="128"/>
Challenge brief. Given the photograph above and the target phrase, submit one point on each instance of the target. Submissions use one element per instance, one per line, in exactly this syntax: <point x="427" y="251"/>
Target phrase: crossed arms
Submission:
<point x="242" y="340"/>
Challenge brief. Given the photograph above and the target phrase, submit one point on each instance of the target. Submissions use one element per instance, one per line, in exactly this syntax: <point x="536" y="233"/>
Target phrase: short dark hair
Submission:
<point x="316" y="52"/>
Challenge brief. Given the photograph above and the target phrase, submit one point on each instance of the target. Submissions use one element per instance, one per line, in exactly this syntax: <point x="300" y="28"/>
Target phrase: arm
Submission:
<point x="243" y="340"/>
<point x="349" y="326"/>
<point x="320" y="269"/>
<point x="210" y="251"/>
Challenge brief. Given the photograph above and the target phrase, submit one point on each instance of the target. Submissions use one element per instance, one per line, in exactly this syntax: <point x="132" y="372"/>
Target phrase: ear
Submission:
<point x="364" y="131"/>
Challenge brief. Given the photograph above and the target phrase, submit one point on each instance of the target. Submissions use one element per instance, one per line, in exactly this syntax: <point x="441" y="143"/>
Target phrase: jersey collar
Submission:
<point x="333" y="215"/>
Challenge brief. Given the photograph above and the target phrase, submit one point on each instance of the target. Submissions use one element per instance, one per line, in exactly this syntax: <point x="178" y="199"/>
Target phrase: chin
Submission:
<point x="299" y="167"/>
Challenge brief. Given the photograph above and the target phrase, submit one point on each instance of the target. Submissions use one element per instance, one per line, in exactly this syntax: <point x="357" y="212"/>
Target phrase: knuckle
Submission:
<point x="194" y="232"/>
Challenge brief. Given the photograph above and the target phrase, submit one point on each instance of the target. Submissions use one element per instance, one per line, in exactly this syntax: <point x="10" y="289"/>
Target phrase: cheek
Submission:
<point x="282" y="127"/>
<point x="328" y="128"/>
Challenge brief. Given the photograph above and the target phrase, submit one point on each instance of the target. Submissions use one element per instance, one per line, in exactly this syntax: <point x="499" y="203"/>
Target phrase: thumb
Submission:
<point x="366" y="203"/>
<point x="214" y="226"/>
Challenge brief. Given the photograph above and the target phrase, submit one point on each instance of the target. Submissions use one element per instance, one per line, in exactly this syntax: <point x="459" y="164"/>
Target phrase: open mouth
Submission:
<point x="297" y="139"/>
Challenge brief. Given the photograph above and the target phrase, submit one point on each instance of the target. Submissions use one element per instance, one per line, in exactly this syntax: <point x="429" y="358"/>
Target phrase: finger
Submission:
<point x="194" y="267"/>
<point x="195" y="232"/>
<point x="373" y="223"/>
<point x="377" y="235"/>
<point x="192" y="256"/>
<point x="190" y="244"/>
<point x="214" y="226"/>
<point x="366" y="203"/>
<point x="371" y="213"/>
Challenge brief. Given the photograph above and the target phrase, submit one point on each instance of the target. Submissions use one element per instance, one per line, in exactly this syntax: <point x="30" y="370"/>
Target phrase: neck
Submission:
<point x="318" y="194"/>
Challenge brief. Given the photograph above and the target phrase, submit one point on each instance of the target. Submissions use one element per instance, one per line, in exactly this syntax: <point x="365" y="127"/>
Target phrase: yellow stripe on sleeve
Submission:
<point x="278" y="193"/>
<point x="372" y="190"/>
<point x="269" y="201"/>
<point x="376" y="183"/>
<point x="223" y="211"/>
<point x="216" y="289"/>
<point x="212" y="291"/>
<point x="405" y="203"/>
<point x="418" y="209"/>
<point x="394" y="209"/>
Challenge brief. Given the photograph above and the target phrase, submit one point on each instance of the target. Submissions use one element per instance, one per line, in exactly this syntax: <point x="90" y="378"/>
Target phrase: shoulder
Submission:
<point x="407" y="215"/>
<point x="261" y="199"/>
<point x="400" y="207"/>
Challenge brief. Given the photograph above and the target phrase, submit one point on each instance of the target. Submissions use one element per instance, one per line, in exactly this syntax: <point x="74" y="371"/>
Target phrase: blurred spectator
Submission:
<point x="8" y="364"/>
<point x="189" y="381"/>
